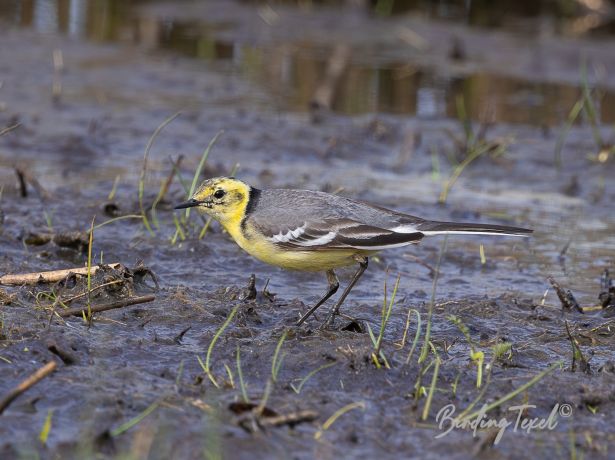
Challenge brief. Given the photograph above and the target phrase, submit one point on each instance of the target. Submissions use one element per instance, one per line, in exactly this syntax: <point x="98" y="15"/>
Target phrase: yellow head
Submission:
<point x="223" y="198"/>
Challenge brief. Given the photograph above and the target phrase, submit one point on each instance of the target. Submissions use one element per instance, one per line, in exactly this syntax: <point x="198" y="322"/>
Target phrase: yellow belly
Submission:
<point x="306" y="260"/>
<point x="314" y="261"/>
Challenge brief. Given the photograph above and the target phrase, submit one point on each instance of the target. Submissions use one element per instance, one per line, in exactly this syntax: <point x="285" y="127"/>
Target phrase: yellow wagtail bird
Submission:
<point x="317" y="231"/>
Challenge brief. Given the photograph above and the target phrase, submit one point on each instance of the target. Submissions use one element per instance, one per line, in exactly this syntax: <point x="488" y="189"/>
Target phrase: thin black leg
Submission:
<point x="363" y="261"/>
<point x="334" y="284"/>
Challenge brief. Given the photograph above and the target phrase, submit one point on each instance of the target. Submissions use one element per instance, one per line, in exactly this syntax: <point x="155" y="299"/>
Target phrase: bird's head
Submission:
<point x="223" y="198"/>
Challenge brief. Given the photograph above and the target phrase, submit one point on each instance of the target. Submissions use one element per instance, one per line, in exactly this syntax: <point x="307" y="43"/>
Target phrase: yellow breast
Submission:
<point x="258" y="246"/>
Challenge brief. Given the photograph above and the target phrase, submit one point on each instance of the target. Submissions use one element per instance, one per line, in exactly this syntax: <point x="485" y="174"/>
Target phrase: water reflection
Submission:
<point x="291" y="71"/>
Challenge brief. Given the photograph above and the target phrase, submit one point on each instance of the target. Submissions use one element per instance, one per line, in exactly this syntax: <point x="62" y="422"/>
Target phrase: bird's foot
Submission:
<point x="326" y="326"/>
<point x="330" y="320"/>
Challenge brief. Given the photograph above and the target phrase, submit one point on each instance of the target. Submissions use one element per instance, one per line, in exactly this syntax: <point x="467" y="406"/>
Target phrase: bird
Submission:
<point x="317" y="231"/>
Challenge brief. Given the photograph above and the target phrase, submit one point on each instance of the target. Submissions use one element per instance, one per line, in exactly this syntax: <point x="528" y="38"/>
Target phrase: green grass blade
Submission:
<point x="337" y="414"/>
<point x="417" y="335"/>
<point x="425" y="349"/>
<point x="199" y="168"/>
<point x="148" y="147"/>
<point x="134" y="421"/>
<point x="44" y="434"/>
<point x="472" y="155"/>
<point x="242" y="385"/>
<point x="434" y="379"/>
<point x="276" y="362"/>
<point x="561" y="139"/>
<point x="309" y="376"/>
<point x="206" y="366"/>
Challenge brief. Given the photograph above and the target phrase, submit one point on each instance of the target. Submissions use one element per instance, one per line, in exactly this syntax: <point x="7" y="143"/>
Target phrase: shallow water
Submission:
<point x="394" y="63"/>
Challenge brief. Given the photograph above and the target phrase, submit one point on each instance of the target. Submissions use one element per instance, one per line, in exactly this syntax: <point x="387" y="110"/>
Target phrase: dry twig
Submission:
<point x="32" y="380"/>
<point x="49" y="276"/>
<point x="106" y="306"/>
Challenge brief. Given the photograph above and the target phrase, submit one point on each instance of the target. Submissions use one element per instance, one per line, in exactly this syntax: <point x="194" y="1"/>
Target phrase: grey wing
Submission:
<point x="304" y="220"/>
<point x="338" y="233"/>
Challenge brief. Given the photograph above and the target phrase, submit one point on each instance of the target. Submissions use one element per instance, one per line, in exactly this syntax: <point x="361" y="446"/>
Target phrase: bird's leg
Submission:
<point x="331" y="289"/>
<point x="363" y="261"/>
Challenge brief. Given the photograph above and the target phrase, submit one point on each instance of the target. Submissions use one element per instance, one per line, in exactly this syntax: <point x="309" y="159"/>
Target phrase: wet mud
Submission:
<point x="145" y="381"/>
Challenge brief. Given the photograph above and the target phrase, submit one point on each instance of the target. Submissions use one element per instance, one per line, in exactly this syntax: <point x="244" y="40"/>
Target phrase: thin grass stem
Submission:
<point x="148" y="147"/>
<point x="425" y="349"/>
<point x="115" y="219"/>
<point x="561" y="139"/>
<point x="337" y="414"/>
<point x="242" y="385"/>
<point x="297" y="389"/>
<point x="199" y="168"/>
<point x="434" y="379"/>
<point x="206" y="365"/>
<point x="134" y="421"/>
<point x="276" y="362"/>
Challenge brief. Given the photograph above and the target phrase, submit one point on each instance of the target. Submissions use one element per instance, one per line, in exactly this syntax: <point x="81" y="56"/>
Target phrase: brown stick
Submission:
<point x="32" y="380"/>
<point x="565" y="296"/>
<point x="23" y="187"/>
<point x="25" y="178"/>
<point x="106" y="306"/>
<point x="293" y="418"/>
<point x="48" y="277"/>
<point x="8" y="129"/>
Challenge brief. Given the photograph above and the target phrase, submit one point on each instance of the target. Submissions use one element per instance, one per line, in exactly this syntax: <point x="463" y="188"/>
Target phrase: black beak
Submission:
<point x="188" y="204"/>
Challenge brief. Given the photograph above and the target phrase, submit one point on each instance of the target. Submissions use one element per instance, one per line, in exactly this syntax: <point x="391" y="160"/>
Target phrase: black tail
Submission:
<point x="444" y="228"/>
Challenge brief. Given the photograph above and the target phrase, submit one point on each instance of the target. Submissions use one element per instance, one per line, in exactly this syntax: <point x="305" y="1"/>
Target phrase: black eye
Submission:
<point x="219" y="193"/>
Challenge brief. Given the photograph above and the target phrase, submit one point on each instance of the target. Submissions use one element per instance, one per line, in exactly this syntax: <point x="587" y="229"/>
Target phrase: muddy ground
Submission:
<point x="73" y="143"/>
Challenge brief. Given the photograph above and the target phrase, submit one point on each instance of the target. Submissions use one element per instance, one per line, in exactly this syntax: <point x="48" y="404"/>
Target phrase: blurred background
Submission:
<point x="398" y="56"/>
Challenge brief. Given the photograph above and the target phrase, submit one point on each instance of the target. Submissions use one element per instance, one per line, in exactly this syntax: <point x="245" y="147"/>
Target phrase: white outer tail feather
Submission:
<point x="465" y="232"/>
